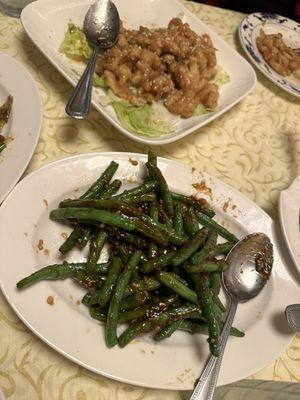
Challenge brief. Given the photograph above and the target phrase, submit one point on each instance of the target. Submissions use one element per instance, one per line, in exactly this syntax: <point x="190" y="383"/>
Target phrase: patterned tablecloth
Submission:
<point x="254" y="147"/>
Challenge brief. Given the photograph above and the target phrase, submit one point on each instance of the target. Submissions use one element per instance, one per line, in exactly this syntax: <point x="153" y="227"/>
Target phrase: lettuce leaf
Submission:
<point x="143" y="120"/>
<point x="75" y="44"/>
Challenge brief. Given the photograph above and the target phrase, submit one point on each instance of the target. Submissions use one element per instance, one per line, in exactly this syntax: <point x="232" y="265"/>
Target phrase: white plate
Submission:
<point x="24" y="123"/>
<point x="249" y="30"/>
<point x="289" y="213"/>
<point x="67" y="327"/>
<point x="46" y="22"/>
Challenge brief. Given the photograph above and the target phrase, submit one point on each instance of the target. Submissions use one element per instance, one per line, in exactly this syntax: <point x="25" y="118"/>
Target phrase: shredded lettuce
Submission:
<point x="99" y="81"/>
<point x="142" y="120"/>
<point x="201" y="110"/>
<point x="221" y="78"/>
<point x="75" y="44"/>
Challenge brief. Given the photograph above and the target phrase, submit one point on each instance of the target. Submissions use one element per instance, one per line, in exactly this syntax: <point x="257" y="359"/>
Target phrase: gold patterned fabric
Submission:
<point x="254" y="147"/>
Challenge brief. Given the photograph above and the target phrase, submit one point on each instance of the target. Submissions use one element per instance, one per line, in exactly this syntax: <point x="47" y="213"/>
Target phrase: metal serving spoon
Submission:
<point x="292" y="313"/>
<point x="250" y="264"/>
<point x="101" y="27"/>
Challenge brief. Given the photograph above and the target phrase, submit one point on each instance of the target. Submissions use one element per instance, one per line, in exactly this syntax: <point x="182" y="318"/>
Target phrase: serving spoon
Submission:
<point x="101" y="27"/>
<point x="250" y="264"/>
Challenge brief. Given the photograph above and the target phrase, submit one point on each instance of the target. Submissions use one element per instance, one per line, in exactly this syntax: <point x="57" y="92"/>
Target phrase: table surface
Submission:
<point x="254" y="147"/>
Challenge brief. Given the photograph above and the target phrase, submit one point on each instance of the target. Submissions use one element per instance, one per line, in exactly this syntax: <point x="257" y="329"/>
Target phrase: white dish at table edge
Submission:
<point x="46" y="23"/>
<point x="289" y="212"/>
<point x="67" y="327"/>
<point x="249" y="30"/>
<point x="24" y="122"/>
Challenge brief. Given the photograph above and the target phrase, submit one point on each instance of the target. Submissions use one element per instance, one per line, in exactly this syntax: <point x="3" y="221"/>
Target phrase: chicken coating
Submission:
<point x="172" y="64"/>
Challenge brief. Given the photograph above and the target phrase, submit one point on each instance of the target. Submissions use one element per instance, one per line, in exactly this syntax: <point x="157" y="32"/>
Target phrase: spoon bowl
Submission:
<point x="102" y="24"/>
<point x="101" y="27"/>
<point x="250" y="263"/>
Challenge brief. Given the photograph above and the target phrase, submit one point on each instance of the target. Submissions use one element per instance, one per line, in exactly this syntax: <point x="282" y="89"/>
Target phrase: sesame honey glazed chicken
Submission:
<point x="153" y="78"/>
<point x="278" y="55"/>
<point x="174" y="64"/>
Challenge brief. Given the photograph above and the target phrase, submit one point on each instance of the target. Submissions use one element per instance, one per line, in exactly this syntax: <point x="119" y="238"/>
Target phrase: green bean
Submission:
<point x="153" y="213"/>
<point x="158" y="262"/>
<point x="148" y="309"/>
<point x="207" y="249"/>
<point x="96" y="246"/>
<point x="128" y="237"/>
<point x="218" y="303"/>
<point x="114" y="305"/>
<point x="207" y="266"/>
<point x="111" y="189"/>
<point x="127" y="195"/>
<point x="87" y="234"/>
<point x="148" y="283"/>
<point x="178" y="219"/>
<point x="205" y="296"/>
<point x="105" y="217"/>
<point x="169" y="280"/>
<point x="142" y="198"/>
<point x="109" y="284"/>
<point x="93" y="191"/>
<point x="151" y="232"/>
<point x="190" y="247"/>
<point x="133" y="301"/>
<point x="215" y="282"/>
<point x="101" y="182"/>
<point x="71" y="240"/>
<point x="190" y="222"/>
<point x="222" y="248"/>
<point x="191" y="327"/>
<point x="58" y="271"/>
<point x="157" y="320"/>
<point x="5" y="110"/>
<point x="98" y="313"/>
<point x="162" y="185"/>
<point x="199" y="205"/>
<point x="2" y="146"/>
<point x="212" y="224"/>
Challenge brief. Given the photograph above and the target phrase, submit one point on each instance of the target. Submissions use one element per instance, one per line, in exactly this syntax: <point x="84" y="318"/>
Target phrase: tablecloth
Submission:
<point x="254" y="147"/>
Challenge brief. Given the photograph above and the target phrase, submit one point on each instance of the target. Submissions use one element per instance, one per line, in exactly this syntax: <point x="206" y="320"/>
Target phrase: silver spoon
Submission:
<point x="101" y="27"/>
<point x="250" y="264"/>
<point x="292" y="313"/>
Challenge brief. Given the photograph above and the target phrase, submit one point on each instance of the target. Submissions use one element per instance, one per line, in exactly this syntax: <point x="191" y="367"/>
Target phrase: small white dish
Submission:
<point x="249" y="30"/>
<point x="289" y="213"/>
<point x="46" y="23"/>
<point x="66" y="326"/>
<point x="24" y="124"/>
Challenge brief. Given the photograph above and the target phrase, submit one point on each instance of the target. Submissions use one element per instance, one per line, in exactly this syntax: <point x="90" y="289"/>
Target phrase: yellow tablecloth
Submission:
<point x="254" y="147"/>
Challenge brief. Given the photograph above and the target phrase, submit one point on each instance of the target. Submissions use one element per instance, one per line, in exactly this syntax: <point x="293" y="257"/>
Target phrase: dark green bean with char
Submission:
<point x="114" y="305"/>
<point x="188" y="249"/>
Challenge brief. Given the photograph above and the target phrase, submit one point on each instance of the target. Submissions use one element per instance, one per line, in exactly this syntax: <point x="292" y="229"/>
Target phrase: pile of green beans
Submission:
<point x="165" y="263"/>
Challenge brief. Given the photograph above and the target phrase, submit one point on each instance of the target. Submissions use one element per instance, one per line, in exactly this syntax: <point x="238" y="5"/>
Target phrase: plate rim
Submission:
<point x="38" y="114"/>
<point x="283" y="224"/>
<point x="60" y="350"/>
<point x="117" y="124"/>
<point x="261" y="66"/>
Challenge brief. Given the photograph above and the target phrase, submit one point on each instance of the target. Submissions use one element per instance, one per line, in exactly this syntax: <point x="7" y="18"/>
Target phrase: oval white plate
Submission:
<point x="24" y="123"/>
<point x="46" y="22"/>
<point x="249" y="30"/>
<point x="66" y="325"/>
<point x="289" y="213"/>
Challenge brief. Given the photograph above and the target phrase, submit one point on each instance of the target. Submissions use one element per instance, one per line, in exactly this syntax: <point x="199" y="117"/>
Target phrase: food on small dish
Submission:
<point x="282" y="58"/>
<point x="5" y="110"/>
<point x="154" y="76"/>
<point x="163" y="271"/>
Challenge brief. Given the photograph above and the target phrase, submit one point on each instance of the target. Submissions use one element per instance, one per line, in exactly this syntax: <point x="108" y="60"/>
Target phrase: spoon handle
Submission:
<point x="79" y="103"/>
<point x="209" y="376"/>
